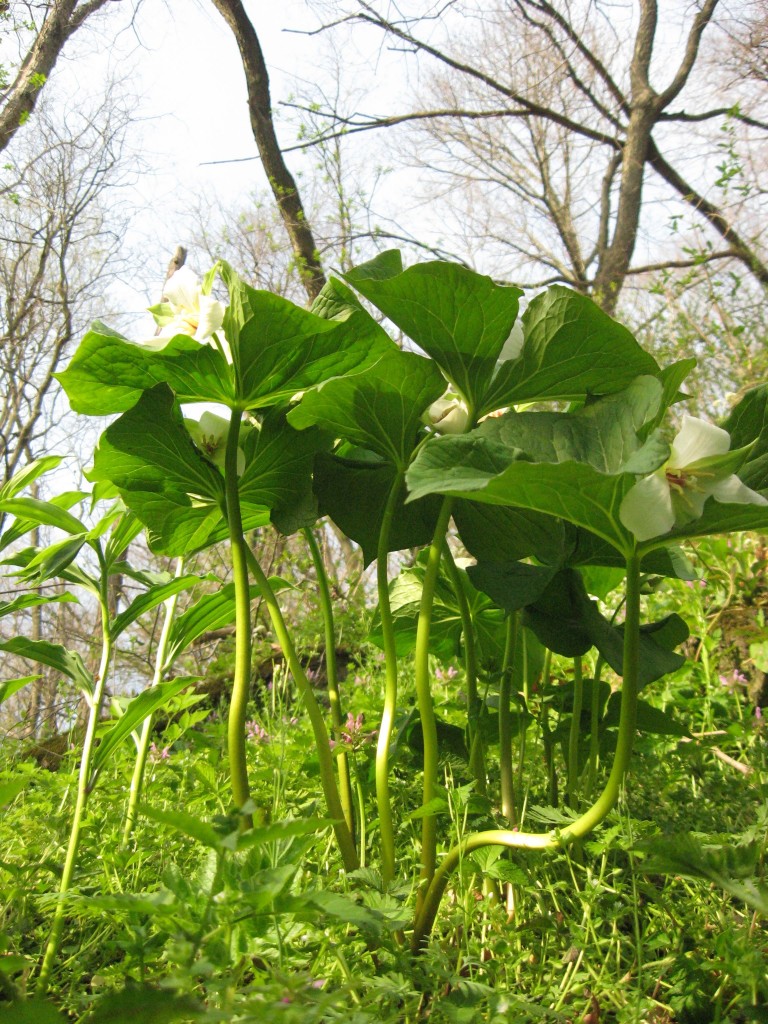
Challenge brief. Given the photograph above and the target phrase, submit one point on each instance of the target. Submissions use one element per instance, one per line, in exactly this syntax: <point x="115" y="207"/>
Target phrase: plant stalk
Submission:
<point x="506" y="771"/>
<point x="586" y="822"/>
<point x="574" y="734"/>
<point x="424" y="699"/>
<point x="383" y="801"/>
<point x="323" y="747"/>
<point x="337" y="719"/>
<point x="96" y="700"/>
<point x="241" y="683"/>
<point x="161" y="666"/>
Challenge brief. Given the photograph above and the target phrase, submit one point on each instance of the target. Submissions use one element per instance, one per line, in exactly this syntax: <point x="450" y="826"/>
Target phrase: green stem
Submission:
<point x="594" y="728"/>
<point x="161" y="667"/>
<point x="474" y="739"/>
<point x="322" y="744"/>
<point x="241" y="683"/>
<point x="383" y="802"/>
<point x="592" y="817"/>
<point x="337" y="719"/>
<point x="574" y="734"/>
<point x="424" y="698"/>
<point x="83" y="790"/>
<point x="506" y="771"/>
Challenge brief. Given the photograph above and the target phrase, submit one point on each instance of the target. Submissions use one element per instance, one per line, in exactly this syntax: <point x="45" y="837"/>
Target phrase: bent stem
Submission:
<point x="337" y="719"/>
<point x="383" y="803"/>
<point x="586" y="822"/>
<point x="322" y="745"/>
<point x="83" y="791"/>
<point x="142" y="751"/>
<point x="241" y="683"/>
<point x="424" y="700"/>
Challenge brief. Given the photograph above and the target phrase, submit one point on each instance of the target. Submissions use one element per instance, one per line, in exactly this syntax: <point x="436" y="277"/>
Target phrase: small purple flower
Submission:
<point x="734" y="680"/>
<point x="256" y="732"/>
<point x="759" y="714"/>
<point x="353" y="734"/>
<point x="159" y="755"/>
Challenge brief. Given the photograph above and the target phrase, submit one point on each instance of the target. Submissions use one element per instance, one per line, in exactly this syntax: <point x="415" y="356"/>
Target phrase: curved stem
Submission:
<point x="337" y="721"/>
<point x="383" y="803"/>
<point x="592" y="817"/>
<point x="139" y="767"/>
<point x="506" y="772"/>
<point x="322" y="744"/>
<point x="474" y="739"/>
<point x="83" y="792"/>
<point x="574" y="734"/>
<point x="241" y="683"/>
<point x="424" y="698"/>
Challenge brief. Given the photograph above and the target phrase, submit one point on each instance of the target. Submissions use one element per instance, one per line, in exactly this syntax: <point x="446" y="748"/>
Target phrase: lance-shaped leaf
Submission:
<point x="378" y="408"/>
<point x="354" y="494"/>
<point x="577" y="466"/>
<point x="458" y="317"/>
<point x="571" y="348"/>
<point x="25" y="601"/>
<point x="27" y="475"/>
<point x="138" y="709"/>
<point x="42" y="513"/>
<point x="162" y="477"/>
<point x="69" y="663"/>
<point x="210" y="612"/>
<point x="108" y="373"/>
<point x="151" y="599"/>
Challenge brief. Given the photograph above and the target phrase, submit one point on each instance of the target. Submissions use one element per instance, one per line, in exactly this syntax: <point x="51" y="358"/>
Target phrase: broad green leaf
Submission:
<point x="379" y="408"/>
<point x="10" y="788"/>
<point x="747" y="423"/>
<point x="571" y="349"/>
<point x="354" y="494"/>
<point x="54" y="656"/>
<point x="145" y="1004"/>
<point x="278" y="472"/>
<point x="151" y="599"/>
<point x="109" y="374"/>
<point x="27" y="475"/>
<point x="728" y="866"/>
<point x="11" y="686"/>
<point x="42" y="513"/>
<point x="458" y="317"/>
<point x="587" y="461"/>
<point x="33" y="1011"/>
<point x="278" y="831"/>
<point x="335" y="301"/>
<point x="281" y="349"/>
<point x="163" y="478"/>
<point x="505" y="534"/>
<point x="649" y="719"/>
<point x="138" y="709"/>
<point x="185" y="823"/>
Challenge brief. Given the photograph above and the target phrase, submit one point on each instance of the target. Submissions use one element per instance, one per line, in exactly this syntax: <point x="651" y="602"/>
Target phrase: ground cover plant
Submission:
<point x="469" y="830"/>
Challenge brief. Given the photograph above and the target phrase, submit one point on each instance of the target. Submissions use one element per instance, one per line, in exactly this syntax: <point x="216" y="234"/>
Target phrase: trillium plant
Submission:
<point x="535" y="463"/>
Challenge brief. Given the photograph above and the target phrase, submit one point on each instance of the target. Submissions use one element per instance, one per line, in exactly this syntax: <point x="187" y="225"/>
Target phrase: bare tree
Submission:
<point x="61" y="243"/>
<point x="577" y="117"/>
<point x="45" y="29"/>
<point x="281" y="180"/>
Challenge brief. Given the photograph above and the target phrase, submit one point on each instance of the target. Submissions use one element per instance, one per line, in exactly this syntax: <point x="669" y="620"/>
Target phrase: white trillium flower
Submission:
<point x="513" y="346"/>
<point x="448" y="415"/>
<point x="186" y="310"/>
<point x="210" y="435"/>
<point x="676" y="493"/>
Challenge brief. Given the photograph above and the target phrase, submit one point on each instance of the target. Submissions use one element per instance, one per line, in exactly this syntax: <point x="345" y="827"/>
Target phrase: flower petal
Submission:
<point x="211" y="316"/>
<point x="696" y="440"/>
<point x="182" y="289"/>
<point x="513" y="346"/>
<point x="647" y="509"/>
<point x="733" y="490"/>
